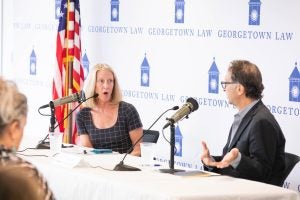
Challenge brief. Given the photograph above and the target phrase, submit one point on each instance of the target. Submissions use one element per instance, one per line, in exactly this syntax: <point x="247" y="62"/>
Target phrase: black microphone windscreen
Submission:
<point x="175" y="108"/>
<point x="193" y="102"/>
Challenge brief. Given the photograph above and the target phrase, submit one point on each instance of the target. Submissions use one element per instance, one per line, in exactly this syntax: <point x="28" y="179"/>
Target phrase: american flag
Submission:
<point x="68" y="77"/>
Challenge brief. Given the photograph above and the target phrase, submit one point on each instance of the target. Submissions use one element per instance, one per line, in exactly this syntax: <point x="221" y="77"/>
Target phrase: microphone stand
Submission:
<point x="46" y="145"/>
<point x="121" y="166"/>
<point x="172" y="153"/>
<point x="43" y="144"/>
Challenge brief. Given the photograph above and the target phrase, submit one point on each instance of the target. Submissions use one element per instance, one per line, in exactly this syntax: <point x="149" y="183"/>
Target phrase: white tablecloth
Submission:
<point x="87" y="183"/>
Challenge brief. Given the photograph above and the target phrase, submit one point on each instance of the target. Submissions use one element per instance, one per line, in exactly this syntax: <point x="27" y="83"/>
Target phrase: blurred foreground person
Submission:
<point x="13" y="115"/>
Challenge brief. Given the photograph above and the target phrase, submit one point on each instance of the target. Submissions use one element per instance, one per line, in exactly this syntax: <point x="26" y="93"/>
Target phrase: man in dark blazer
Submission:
<point x="256" y="145"/>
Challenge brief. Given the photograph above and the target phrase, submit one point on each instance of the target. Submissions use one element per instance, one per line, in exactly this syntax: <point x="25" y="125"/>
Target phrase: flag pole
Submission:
<point x="69" y="126"/>
<point x="69" y="81"/>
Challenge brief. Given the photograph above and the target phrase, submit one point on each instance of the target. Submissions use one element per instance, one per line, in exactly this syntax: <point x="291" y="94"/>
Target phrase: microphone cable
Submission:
<point x="58" y="124"/>
<point x="163" y="134"/>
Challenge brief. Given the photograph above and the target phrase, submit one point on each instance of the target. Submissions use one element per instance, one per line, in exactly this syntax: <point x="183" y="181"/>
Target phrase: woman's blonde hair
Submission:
<point x="13" y="104"/>
<point x="90" y="85"/>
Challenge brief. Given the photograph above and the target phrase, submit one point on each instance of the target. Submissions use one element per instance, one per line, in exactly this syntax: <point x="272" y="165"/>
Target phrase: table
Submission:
<point x="87" y="181"/>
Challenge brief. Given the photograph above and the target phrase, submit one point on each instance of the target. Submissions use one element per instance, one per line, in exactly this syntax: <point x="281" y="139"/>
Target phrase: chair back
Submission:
<point x="150" y="136"/>
<point x="290" y="161"/>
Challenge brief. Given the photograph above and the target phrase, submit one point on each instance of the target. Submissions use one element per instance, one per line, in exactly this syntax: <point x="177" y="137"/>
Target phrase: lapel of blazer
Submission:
<point x="225" y="149"/>
<point x="244" y="123"/>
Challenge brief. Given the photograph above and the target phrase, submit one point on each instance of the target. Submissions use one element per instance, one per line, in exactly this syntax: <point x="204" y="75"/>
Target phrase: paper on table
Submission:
<point x="70" y="160"/>
<point x="195" y="173"/>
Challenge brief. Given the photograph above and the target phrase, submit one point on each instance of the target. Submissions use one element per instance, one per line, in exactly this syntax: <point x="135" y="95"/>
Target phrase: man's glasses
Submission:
<point x="225" y="83"/>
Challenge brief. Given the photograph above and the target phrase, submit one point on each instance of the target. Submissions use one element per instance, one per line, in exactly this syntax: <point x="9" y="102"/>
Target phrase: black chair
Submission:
<point x="150" y="136"/>
<point x="290" y="161"/>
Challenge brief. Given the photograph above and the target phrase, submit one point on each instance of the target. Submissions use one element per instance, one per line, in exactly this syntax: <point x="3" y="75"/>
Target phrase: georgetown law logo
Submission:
<point x="145" y="73"/>
<point x="254" y="12"/>
<point x="57" y="9"/>
<point x="178" y="142"/>
<point x="114" y="10"/>
<point x="213" y="78"/>
<point x="179" y="11"/>
<point x="85" y="64"/>
<point x="294" y="85"/>
<point x="32" y="63"/>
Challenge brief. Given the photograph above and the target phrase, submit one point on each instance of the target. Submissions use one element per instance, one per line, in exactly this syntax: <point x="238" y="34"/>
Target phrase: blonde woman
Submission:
<point x="107" y="122"/>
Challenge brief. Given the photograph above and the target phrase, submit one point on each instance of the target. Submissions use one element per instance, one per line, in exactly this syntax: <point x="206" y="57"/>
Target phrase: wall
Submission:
<point x="186" y="57"/>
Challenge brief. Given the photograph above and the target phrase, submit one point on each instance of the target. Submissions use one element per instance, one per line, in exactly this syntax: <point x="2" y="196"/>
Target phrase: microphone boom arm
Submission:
<point x="45" y="145"/>
<point x="121" y="166"/>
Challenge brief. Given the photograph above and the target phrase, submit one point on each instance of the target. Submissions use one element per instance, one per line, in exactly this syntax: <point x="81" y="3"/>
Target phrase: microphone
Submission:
<point x="45" y="145"/>
<point x="121" y="166"/>
<point x="190" y="106"/>
<point x="79" y="97"/>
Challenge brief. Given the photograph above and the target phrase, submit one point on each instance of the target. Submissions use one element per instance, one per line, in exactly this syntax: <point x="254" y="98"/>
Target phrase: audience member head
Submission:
<point x="13" y="114"/>
<point x="92" y="81"/>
